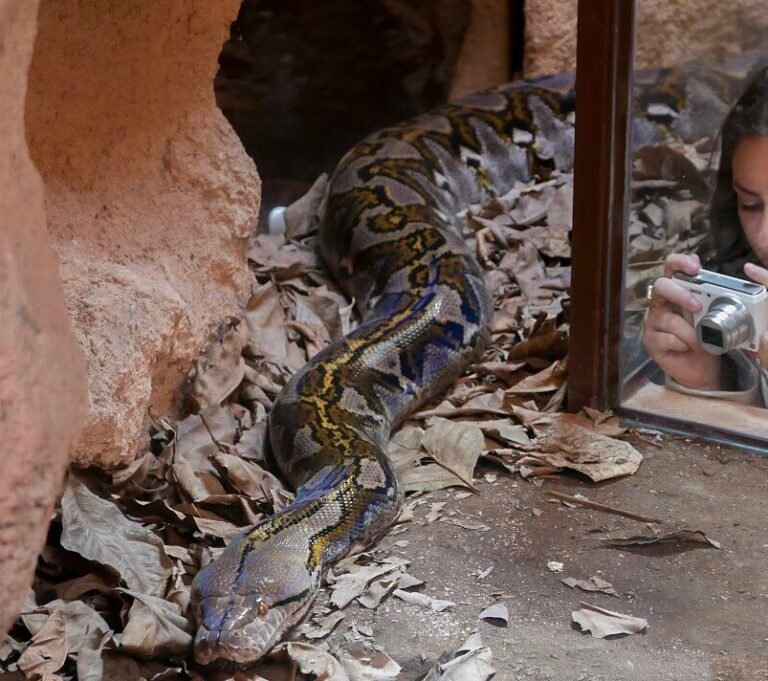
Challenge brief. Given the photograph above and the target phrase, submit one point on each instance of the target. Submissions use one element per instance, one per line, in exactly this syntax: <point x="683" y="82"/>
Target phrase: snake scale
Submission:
<point x="392" y="239"/>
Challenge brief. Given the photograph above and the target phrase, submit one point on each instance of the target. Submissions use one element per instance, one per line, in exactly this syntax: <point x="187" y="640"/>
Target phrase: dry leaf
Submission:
<point x="404" y="449"/>
<point x="507" y="433"/>
<point x="311" y="662"/>
<point x="320" y="627"/>
<point x="267" y="329"/>
<point x="416" y="598"/>
<point x="249" y="478"/>
<point x="346" y="587"/>
<point x="571" y="442"/>
<point x="365" y="663"/>
<point x="378" y="590"/>
<point x="90" y="666"/>
<point x="75" y="588"/>
<point x="683" y="536"/>
<point x="601" y="623"/>
<point x="221" y="529"/>
<point x="48" y="649"/>
<point x="497" y="614"/>
<point x="472" y="661"/>
<point x="95" y="529"/>
<point x="271" y="254"/>
<point x="303" y="215"/>
<point x="456" y="446"/>
<point x="548" y="380"/>
<point x="592" y="584"/>
<point x="220" y="371"/>
<point x="155" y="627"/>
<point x="470" y="525"/>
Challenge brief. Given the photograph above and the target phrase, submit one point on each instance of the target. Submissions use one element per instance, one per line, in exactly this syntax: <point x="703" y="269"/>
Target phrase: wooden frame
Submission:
<point x="604" y="57"/>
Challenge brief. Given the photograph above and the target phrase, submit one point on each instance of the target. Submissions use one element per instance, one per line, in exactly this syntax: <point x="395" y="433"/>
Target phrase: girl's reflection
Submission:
<point x="740" y="227"/>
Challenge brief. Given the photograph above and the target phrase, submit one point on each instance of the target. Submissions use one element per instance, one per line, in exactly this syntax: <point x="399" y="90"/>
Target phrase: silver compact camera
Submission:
<point x="734" y="312"/>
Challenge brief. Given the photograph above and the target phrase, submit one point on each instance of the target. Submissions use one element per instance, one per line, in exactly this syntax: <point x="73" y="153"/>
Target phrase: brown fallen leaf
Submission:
<point x="568" y="442"/>
<point x="47" y="651"/>
<point x="155" y="627"/>
<point x="320" y="626"/>
<point x="683" y="536"/>
<point x="75" y="588"/>
<point x="497" y="614"/>
<point x="378" y="590"/>
<point x="363" y="662"/>
<point x="96" y="529"/>
<point x="220" y="371"/>
<point x="471" y="661"/>
<point x="506" y="432"/>
<point x="601" y="622"/>
<point x="434" y="604"/>
<point x="455" y="446"/>
<point x="267" y="329"/>
<point x="548" y="380"/>
<point x="591" y="584"/>
<point x="348" y="586"/>
<point x="288" y="658"/>
<point x="303" y="215"/>
<point x="198" y="438"/>
<point x="270" y="254"/>
<point x="250" y="478"/>
<point x="404" y="449"/>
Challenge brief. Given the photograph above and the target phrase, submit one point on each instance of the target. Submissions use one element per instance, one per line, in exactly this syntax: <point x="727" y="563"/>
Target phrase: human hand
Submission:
<point x="670" y="339"/>
<point x="759" y="275"/>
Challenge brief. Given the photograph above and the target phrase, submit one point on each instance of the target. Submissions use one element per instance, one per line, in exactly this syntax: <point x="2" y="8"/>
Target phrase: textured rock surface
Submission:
<point x="42" y="374"/>
<point x="150" y="197"/>
<point x="667" y="32"/>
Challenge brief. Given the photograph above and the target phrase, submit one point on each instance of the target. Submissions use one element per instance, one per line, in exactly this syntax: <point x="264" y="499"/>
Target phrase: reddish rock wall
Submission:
<point x="150" y="197"/>
<point x="667" y="32"/>
<point x="42" y="373"/>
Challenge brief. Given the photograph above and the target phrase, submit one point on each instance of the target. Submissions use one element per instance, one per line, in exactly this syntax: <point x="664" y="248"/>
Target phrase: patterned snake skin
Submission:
<point x="392" y="239"/>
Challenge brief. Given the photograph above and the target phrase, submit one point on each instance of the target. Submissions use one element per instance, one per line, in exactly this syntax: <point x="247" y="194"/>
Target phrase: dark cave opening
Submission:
<point x="301" y="82"/>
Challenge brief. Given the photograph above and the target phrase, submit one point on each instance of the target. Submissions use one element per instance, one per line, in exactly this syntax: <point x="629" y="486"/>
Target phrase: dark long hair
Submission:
<point x="747" y="118"/>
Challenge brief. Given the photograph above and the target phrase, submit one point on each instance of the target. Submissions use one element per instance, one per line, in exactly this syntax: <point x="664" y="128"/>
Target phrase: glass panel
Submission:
<point x="697" y="221"/>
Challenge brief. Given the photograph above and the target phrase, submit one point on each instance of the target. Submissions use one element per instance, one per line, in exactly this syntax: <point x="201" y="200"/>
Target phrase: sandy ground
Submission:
<point x="706" y="608"/>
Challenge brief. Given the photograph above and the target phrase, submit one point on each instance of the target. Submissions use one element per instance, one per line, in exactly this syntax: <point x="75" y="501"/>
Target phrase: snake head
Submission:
<point x="247" y="599"/>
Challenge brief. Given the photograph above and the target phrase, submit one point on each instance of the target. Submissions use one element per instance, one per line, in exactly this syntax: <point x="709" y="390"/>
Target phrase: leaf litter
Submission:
<point x="601" y="623"/>
<point x="679" y="537"/>
<point x="126" y="548"/>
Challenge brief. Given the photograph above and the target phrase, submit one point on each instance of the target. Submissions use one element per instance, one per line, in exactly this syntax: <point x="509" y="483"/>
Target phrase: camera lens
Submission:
<point x="712" y="336"/>
<point x="726" y="326"/>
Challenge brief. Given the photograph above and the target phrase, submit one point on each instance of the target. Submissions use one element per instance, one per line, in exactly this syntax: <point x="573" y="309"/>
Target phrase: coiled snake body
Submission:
<point x="391" y="238"/>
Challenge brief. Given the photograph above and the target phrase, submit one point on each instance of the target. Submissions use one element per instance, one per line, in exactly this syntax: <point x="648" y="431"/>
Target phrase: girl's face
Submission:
<point x="750" y="182"/>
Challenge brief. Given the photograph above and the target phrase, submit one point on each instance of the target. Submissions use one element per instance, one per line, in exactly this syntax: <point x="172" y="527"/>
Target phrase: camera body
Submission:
<point x="734" y="312"/>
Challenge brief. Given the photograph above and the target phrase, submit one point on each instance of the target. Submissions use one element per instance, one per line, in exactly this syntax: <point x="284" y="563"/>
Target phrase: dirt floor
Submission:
<point x="706" y="608"/>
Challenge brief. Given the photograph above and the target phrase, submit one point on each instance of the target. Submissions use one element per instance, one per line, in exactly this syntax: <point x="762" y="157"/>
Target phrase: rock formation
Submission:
<point x="42" y="373"/>
<point x="149" y="194"/>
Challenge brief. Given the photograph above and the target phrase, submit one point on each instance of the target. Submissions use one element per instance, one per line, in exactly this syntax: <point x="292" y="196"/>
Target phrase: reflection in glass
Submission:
<point x="695" y="336"/>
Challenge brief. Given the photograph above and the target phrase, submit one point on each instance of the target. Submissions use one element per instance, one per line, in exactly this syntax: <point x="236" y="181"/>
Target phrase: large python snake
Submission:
<point x="392" y="239"/>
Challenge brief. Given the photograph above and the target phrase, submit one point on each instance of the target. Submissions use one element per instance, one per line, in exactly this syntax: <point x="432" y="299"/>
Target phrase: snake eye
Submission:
<point x="262" y="609"/>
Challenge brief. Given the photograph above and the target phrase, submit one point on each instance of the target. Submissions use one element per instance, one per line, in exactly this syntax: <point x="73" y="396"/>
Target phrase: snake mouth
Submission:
<point x="238" y="634"/>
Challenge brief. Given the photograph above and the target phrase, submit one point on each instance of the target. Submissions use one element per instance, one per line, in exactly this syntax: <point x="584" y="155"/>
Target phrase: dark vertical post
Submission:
<point x="603" y="86"/>
<point x="517" y="38"/>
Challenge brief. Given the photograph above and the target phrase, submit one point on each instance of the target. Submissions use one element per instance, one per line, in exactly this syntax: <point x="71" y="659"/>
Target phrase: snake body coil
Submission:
<point x="391" y="238"/>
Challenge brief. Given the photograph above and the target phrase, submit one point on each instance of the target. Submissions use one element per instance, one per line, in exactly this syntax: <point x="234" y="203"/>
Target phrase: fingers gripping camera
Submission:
<point x="734" y="312"/>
